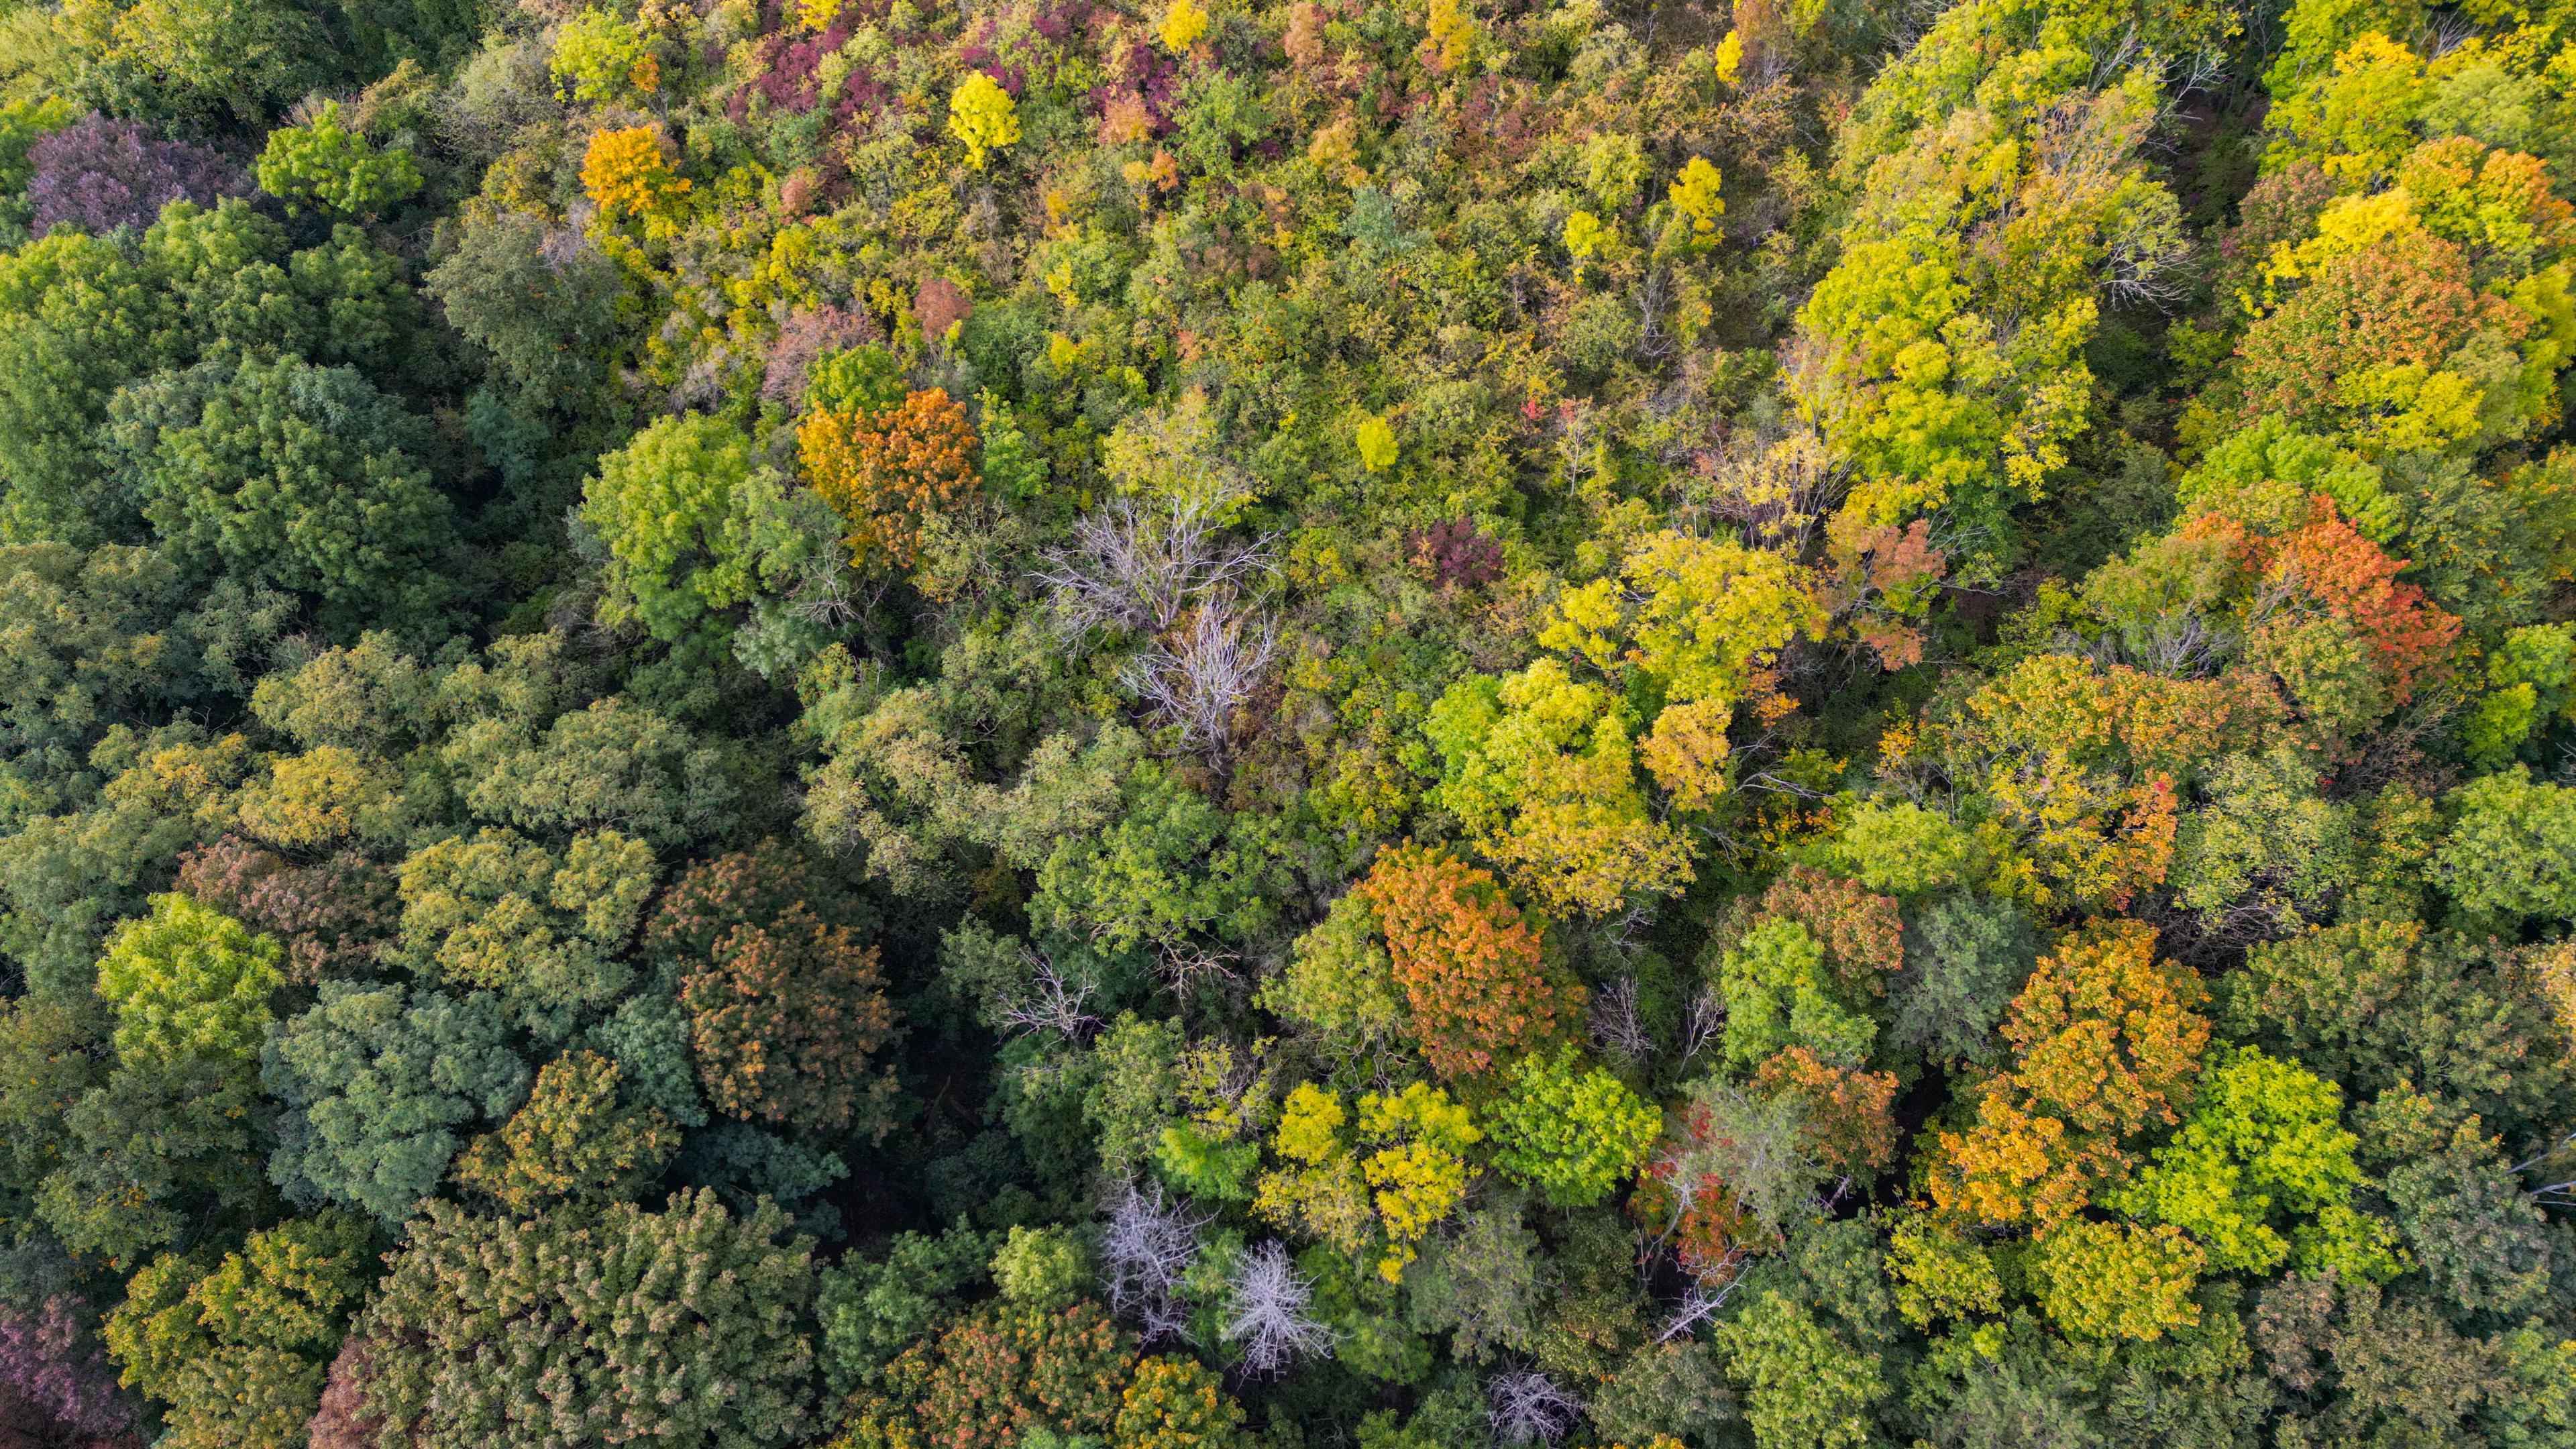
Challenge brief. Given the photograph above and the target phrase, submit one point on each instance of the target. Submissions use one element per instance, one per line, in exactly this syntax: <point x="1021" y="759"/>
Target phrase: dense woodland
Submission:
<point x="1287" y="724"/>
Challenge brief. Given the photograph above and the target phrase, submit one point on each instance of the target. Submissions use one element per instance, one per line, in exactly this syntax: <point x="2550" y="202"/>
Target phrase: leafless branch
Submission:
<point x="1198" y="675"/>
<point x="1146" y="1248"/>
<point x="1526" y="1407"/>
<point x="1051" y="1003"/>
<point x="1703" y="1022"/>
<point x="1617" y="1024"/>
<point x="1266" y="1311"/>
<point x="1144" y="568"/>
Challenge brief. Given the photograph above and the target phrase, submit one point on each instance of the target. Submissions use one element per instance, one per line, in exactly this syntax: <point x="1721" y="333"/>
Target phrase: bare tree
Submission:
<point x="1141" y="568"/>
<point x="1050" y="1002"/>
<point x="1197" y="675"/>
<point x="1266" y="1311"/>
<point x="1703" y="1022"/>
<point x="1526" y="1407"/>
<point x="1146" y="1247"/>
<point x="1618" y="1026"/>
<point x="1169" y="574"/>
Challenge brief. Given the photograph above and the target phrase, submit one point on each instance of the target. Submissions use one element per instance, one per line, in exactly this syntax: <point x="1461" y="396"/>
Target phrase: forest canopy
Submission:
<point x="1282" y="724"/>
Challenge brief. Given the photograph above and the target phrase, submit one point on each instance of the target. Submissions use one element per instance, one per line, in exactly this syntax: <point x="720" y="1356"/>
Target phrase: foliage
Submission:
<point x="570" y="1139"/>
<point x="681" y="1323"/>
<point x="325" y="163"/>
<point x="1468" y="961"/>
<point x="2107" y="1042"/>
<point x="1531" y="723"/>
<point x="97" y="174"/>
<point x="375" y="1082"/>
<point x="1574" y="1136"/>
<point x="887" y="473"/>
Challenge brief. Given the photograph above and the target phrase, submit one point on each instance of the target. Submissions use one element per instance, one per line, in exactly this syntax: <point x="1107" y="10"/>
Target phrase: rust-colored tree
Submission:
<point x="1845" y="1117"/>
<point x="2108" y="1041"/>
<point x="989" y="1378"/>
<point x="786" y="1019"/>
<point x="1864" y="940"/>
<point x="2332" y="566"/>
<point x="1468" y="961"/>
<point x="787" y="1010"/>
<point x="333" y="915"/>
<point x="885" y="472"/>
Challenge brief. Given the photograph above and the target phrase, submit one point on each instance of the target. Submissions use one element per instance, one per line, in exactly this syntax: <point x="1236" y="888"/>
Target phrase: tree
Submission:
<point x="542" y="931"/>
<point x="570" y="1139"/>
<point x="2263" y="1143"/>
<point x="327" y="164"/>
<point x="605" y="56"/>
<point x="1697" y="622"/>
<point x="539" y="301"/>
<point x="162" y="1148"/>
<point x="1539" y="767"/>
<point x="2107" y="1041"/>
<point x="334" y="917"/>
<point x="1966" y="958"/>
<point x="1386" y="1184"/>
<point x="982" y="115"/>
<point x="669" y="507"/>
<point x="81" y="318"/>
<point x="1173" y="1403"/>
<point x="994" y="1375"/>
<point x="186" y="982"/>
<point x="1340" y="982"/>
<point x="1468" y="961"/>
<point x="787" y="1011"/>
<point x="237" y="1353"/>
<point x="1267" y="1318"/>
<point x="195" y="64"/>
<point x="376" y="1082"/>
<point x="2118" y="1280"/>
<point x="2511" y="850"/>
<point x="628" y="176"/>
<point x="872" y="1311"/>
<point x="1778" y="994"/>
<point x="685" y="1325"/>
<point x="1574" y="1136"/>
<point x="613" y="766"/>
<point x="97" y="174"/>
<point x="299" y="477"/>
<point x="2372" y="1004"/>
<point x="888" y="471"/>
<point x="1804" y="1385"/>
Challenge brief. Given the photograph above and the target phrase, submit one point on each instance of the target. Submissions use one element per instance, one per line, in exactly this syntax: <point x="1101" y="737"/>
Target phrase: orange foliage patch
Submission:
<point x="2109" y="1041"/>
<point x="884" y="473"/>
<point x="2334" y="566"/>
<point x="1468" y="962"/>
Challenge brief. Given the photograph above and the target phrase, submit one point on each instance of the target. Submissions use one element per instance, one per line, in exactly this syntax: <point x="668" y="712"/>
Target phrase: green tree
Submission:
<point x="327" y="164"/>
<point x="686" y="1325"/>
<point x="2511" y="848"/>
<point x="1574" y="1135"/>
<point x="872" y="1311"/>
<point x="298" y="477"/>
<point x="80" y="318"/>
<point x="544" y="931"/>
<point x="376" y="1081"/>
<point x="237" y="1353"/>
<point x="1805" y="1388"/>
<point x="163" y="1148"/>
<point x="541" y="303"/>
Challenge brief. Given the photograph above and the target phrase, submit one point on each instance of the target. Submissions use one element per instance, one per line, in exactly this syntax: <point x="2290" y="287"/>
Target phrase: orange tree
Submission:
<point x="2108" y="1041"/>
<point x="885" y="471"/>
<point x="1468" y="961"/>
